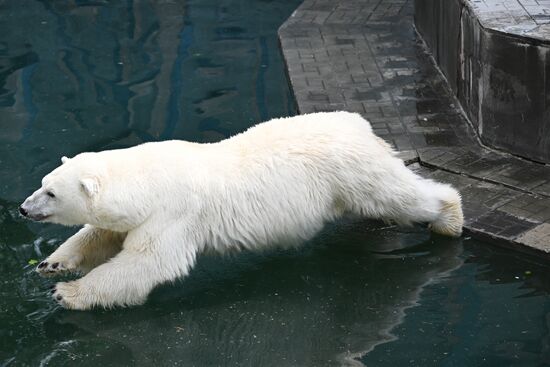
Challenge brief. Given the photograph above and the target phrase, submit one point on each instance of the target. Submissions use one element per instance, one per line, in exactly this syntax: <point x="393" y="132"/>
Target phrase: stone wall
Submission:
<point x="501" y="78"/>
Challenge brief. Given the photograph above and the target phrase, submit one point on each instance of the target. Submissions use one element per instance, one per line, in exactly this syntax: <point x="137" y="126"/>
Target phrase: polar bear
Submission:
<point x="149" y="210"/>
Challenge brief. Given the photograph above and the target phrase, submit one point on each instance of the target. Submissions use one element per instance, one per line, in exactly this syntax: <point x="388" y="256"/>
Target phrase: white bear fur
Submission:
<point x="150" y="209"/>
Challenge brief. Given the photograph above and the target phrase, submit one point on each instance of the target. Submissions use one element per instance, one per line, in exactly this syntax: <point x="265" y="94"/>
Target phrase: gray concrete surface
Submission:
<point x="365" y="56"/>
<point x="529" y="18"/>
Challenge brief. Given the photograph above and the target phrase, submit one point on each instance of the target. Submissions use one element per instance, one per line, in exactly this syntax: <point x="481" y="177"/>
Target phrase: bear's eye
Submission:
<point x="50" y="194"/>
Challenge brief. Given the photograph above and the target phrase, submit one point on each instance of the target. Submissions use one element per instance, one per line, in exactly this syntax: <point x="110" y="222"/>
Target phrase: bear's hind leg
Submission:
<point x="82" y="252"/>
<point x="438" y="204"/>
<point x="449" y="219"/>
<point x="394" y="192"/>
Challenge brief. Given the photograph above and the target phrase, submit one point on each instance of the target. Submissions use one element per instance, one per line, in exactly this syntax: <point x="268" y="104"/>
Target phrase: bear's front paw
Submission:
<point x="70" y="295"/>
<point x="54" y="265"/>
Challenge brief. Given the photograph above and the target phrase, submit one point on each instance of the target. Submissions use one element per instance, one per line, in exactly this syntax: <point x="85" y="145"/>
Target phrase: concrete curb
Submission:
<point x="366" y="57"/>
<point x="498" y="74"/>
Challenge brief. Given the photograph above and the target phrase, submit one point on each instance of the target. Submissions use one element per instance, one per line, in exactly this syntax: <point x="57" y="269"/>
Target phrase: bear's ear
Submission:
<point x="90" y="185"/>
<point x="64" y="159"/>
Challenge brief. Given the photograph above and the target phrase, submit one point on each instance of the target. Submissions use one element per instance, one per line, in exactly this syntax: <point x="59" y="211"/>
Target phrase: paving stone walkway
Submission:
<point x="364" y="56"/>
<point x="529" y="18"/>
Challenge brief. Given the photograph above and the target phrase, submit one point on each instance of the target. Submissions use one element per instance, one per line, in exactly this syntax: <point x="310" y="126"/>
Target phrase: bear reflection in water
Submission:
<point x="326" y="303"/>
<point x="150" y="210"/>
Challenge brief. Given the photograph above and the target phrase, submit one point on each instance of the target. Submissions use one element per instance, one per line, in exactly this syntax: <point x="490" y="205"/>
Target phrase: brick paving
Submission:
<point x="529" y="18"/>
<point x="364" y="56"/>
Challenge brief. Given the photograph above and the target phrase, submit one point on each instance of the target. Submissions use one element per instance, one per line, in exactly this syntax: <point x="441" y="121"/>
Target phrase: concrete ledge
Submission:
<point x="495" y="55"/>
<point x="365" y="56"/>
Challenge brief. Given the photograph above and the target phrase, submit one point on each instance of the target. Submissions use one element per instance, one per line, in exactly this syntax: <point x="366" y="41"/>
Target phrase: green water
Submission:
<point x="93" y="75"/>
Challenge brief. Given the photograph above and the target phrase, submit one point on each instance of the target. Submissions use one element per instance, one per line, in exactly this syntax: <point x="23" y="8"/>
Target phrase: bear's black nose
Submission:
<point x="22" y="211"/>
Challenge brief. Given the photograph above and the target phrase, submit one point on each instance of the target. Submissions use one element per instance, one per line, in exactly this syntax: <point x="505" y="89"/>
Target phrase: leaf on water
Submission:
<point x="33" y="262"/>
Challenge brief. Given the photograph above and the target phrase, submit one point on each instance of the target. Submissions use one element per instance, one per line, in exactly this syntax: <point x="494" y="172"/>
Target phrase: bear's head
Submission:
<point x="68" y="193"/>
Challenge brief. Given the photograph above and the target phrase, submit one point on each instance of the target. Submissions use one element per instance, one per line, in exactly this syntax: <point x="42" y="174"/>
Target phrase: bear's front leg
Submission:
<point x="129" y="277"/>
<point x="82" y="252"/>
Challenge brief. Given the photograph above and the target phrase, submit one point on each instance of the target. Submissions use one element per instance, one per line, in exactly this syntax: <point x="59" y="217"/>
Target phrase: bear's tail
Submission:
<point x="450" y="219"/>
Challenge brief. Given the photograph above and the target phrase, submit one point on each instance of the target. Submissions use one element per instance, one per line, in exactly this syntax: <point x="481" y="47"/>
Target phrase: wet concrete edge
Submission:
<point x="519" y="232"/>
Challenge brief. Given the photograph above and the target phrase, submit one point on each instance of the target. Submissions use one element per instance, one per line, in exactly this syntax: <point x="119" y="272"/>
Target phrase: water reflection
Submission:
<point x="358" y="294"/>
<point x="323" y="306"/>
<point x="79" y="76"/>
<point x="494" y="310"/>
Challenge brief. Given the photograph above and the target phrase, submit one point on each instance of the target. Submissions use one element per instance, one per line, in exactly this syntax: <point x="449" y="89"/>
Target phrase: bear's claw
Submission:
<point x="56" y="295"/>
<point x="46" y="269"/>
<point x="58" y="298"/>
<point x="69" y="295"/>
<point x="59" y="263"/>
